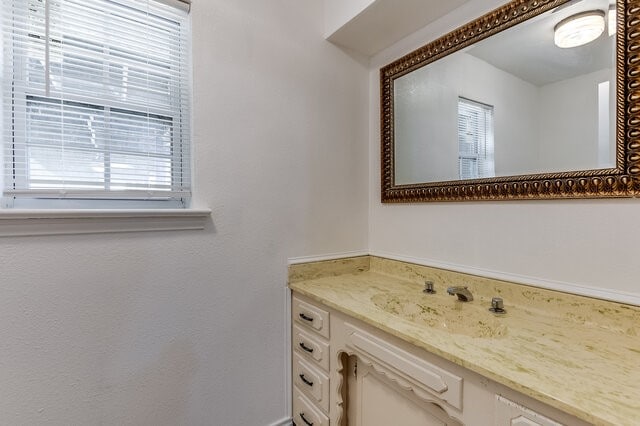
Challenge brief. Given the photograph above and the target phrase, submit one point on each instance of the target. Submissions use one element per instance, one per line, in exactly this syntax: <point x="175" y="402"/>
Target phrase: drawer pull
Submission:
<point x="304" y="379"/>
<point x="306" y="318"/>
<point x="305" y="420"/>
<point x="306" y="348"/>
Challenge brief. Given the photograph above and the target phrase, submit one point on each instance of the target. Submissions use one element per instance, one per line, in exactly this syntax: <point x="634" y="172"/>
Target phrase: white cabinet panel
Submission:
<point x="509" y="413"/>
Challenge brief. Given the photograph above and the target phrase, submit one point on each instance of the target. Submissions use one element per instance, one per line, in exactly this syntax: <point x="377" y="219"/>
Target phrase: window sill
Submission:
<point x="14" y="223"/>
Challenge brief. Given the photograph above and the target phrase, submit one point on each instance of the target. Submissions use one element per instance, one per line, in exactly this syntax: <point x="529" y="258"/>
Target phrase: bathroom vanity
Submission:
<point x="371" y="348"/>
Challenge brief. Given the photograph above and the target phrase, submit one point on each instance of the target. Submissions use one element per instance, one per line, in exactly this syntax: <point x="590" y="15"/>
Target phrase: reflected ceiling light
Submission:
<point x="579" y="29"/>
<point x="611" y="20"/>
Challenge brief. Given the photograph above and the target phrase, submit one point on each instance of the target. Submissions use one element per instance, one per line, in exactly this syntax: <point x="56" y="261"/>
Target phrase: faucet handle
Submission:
<point x="497" y="305"/>
<point x="428" y="287"/>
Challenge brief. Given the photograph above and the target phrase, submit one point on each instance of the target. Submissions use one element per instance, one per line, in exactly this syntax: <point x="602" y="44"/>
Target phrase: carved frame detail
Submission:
<point x="621" y="181"/>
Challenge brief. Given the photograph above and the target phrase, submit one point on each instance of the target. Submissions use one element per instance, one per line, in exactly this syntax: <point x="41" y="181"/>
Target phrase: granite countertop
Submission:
<point x="578" y="354"/>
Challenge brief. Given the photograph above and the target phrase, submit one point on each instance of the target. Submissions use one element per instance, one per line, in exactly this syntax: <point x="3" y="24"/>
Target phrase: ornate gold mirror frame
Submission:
<point x="621" y="181"/>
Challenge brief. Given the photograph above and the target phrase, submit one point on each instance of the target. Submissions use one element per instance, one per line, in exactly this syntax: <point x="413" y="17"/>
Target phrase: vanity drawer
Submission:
<point x="509" y="413"/>
<point x="311" y="348"/>
<point x="311" y="381"/>
<point x="311" y="316"/>
<point x="305" y="413"/>
<point x="408" y="368"/>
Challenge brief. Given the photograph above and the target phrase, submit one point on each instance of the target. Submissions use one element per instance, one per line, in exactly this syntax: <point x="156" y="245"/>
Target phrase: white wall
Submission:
<point x="426" y="115"/>
<point x="189" y="327"/>
<point x="569" y="123"/>
<point x="426" y="111"/>
<point x="578" y="245"/>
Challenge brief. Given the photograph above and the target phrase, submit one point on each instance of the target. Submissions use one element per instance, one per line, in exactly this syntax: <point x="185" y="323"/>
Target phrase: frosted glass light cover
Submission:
<point x="579" y="29"/>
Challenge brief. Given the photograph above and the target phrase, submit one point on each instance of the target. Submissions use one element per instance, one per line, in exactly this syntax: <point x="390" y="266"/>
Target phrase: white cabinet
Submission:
<point x="348" y="373"/>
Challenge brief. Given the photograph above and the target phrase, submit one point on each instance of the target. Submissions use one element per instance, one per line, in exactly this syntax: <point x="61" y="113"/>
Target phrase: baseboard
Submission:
<point x="598" y="293"/>
<point x="331" y="256"/>
<point x="287" y="421"/>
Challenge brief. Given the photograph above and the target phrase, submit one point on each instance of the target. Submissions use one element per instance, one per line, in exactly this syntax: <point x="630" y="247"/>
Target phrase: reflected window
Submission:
<point x="475" y="139"/>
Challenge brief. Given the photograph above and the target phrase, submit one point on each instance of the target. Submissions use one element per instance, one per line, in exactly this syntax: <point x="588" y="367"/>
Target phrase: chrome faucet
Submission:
<point x="463" y="293"/>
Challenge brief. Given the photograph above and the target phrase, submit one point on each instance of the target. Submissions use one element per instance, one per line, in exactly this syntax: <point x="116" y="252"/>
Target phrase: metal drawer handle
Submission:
<point x="306" y="348"/>
<point x="304" y="379"/>
<point x="305" y="420"/>
<point x="306" y="318"/>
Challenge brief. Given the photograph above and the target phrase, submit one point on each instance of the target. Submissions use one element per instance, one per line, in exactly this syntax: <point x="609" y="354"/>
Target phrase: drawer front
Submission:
<point x="422" y="375"/>
<point x="305" y="413"/>
<point x="311" y="348"/>
<point x="311" y="381"/>
<point x="310" y="316"/>
<point x="509" y="413"/>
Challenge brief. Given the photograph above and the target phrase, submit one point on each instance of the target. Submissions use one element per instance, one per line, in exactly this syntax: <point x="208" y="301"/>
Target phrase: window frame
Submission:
<point x="181" y="138"/>
<point x="483" y="157"/>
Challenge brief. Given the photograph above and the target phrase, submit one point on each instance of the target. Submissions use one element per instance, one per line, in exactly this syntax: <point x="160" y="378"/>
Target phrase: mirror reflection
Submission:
<point x="536" y="98"/>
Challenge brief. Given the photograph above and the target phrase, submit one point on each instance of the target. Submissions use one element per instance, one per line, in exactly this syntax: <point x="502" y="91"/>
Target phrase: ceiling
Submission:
<point x="384" y="22"/>
<point x="528" y="51"/>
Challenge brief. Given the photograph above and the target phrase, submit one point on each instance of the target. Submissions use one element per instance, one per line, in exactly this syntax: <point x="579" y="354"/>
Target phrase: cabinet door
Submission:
<point x="379" y="402"/>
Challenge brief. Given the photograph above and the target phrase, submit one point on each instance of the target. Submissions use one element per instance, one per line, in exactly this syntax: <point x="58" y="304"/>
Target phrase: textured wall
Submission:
<point x="586" y="246"/>
<point x="189" y="327"/>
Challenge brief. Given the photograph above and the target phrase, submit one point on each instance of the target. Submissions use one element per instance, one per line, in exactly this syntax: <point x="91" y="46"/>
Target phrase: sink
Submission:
<point x="443" y="313"/>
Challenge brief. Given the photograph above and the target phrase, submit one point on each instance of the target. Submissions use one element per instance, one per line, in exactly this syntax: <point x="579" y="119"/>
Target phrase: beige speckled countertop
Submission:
<point x="578" y="354"/>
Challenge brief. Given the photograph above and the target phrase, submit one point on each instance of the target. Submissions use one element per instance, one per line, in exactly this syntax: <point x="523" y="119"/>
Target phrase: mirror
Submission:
<point x="502" y="108"/>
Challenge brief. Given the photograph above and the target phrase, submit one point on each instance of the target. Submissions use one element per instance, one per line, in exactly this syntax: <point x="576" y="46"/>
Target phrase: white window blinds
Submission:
<point x="96" y="100"/>
<point x="475" y="139"/>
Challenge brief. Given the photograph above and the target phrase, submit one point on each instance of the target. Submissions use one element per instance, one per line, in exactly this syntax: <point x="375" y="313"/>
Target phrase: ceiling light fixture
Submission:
<point x="579" y="29"/>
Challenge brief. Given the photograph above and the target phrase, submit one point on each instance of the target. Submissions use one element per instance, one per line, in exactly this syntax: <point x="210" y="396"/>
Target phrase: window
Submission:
<point x="96" y="103"/>
<point x="475" y="139"/>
